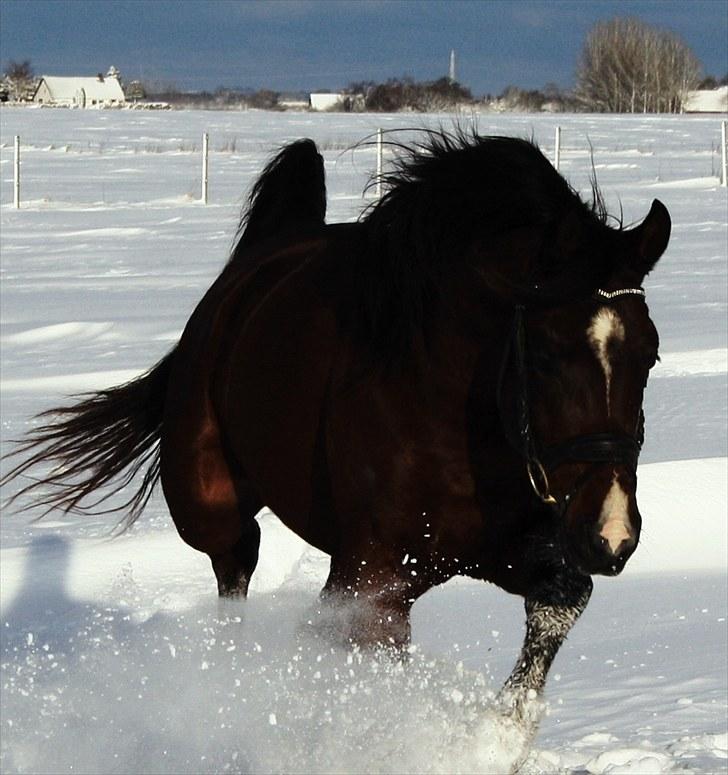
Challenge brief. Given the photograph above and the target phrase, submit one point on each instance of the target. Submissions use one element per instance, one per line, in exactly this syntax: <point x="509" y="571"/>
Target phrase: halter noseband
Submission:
<point x="594" y="448"/>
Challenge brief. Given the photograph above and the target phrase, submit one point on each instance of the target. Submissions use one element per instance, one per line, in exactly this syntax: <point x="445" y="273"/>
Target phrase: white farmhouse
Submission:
<point x="707" y="101"/>
<point x="325" y="101"/>
<point x="81" y="92"/>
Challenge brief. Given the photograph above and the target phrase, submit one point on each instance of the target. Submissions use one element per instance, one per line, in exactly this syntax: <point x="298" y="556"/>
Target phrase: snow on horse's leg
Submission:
<point x="552" y="608"/>
<point x="501" y="743"/>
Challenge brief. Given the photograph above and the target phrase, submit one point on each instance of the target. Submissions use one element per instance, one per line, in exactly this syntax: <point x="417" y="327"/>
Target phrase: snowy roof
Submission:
<point x="707" y="101"/>
<point x="66" y="89"/>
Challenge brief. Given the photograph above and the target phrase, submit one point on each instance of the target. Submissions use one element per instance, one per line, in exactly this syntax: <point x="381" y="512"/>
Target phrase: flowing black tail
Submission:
<point x="289" y="195"/>
<point x="108" y="437"/>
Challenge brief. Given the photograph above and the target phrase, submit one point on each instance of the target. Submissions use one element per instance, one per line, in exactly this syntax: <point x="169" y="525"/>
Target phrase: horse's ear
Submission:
<point x="650" y="238"/>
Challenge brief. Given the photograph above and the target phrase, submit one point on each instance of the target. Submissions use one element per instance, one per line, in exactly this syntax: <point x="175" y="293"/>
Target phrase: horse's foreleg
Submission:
<point x="378" y="620"/>
<point x="552" y="609"/>
<point x="367" y="603"/>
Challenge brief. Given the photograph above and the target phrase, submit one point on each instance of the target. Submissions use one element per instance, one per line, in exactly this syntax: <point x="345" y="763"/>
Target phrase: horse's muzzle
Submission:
<point x="595" y="554"/>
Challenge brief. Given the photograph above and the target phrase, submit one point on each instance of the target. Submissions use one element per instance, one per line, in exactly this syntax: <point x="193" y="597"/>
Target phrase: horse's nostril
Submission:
<point x="615" y="538"/>
<point x="624" y="550"/>
<point x="604" y="546"/>
<point x="616" y="551"/>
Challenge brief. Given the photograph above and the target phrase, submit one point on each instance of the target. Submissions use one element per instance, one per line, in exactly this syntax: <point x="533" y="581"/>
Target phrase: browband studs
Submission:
<point x="621" y="292"/>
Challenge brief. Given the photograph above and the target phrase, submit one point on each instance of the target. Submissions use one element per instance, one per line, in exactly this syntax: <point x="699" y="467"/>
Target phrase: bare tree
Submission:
<point x="21" y="71"/>
<point x="19" y="80"/>
<point x="135" y="91"/>
<point x="627" y="66"/>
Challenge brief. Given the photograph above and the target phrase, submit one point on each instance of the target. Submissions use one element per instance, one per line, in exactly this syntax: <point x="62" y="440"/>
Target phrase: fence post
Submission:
<point x="205" y="156"/>
<point x="723" y="154"/>
<point x="379" y="163"/>
<point x="557" y="148"/>
<point x="16" y="174"/>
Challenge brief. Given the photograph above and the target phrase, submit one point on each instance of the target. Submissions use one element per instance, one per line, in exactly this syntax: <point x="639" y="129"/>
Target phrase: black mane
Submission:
<point x="442" y="194"/>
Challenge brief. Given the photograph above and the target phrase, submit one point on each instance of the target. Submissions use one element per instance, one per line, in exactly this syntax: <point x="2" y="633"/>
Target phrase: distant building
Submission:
<point x="325" y="100"/>
<point x="346" y="103"/>
<point x="81" y="92"/>
<point x="707" y="101"/>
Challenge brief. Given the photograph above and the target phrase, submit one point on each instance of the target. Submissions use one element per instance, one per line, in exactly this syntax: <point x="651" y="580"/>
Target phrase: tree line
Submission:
<point x="625" y="66"/>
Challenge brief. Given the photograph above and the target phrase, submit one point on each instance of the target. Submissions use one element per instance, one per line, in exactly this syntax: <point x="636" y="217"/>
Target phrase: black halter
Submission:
<point x="594" y="448"/>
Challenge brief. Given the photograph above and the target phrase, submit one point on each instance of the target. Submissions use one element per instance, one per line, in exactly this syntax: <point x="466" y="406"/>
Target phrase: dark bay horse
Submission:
<point x="451" y="385"/>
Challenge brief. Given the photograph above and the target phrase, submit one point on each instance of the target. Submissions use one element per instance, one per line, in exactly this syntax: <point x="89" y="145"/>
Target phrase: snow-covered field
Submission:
<point x="116" y="656"/>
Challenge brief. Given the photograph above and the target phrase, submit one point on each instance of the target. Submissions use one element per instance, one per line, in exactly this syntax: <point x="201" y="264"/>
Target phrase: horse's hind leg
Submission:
<point x="233" y="567"/>
<point x="552" y="608"/>
<point x="214" y="511"/>
<point x="234" y="563"/>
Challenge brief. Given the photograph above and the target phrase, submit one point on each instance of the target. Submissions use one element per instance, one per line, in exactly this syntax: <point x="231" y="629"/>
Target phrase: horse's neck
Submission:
<point x="468" y="341"/>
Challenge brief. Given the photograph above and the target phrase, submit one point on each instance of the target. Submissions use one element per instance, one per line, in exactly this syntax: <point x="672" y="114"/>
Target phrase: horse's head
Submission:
<point x="584" y="367"/>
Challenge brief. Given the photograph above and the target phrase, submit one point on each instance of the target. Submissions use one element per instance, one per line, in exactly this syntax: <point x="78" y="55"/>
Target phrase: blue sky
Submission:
<point x="326" y="44"/>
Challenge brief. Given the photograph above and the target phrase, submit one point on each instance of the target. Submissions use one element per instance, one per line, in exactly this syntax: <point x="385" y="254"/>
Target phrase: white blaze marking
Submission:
<point x="605" y="326"/>
<point x="614" y="518"/>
